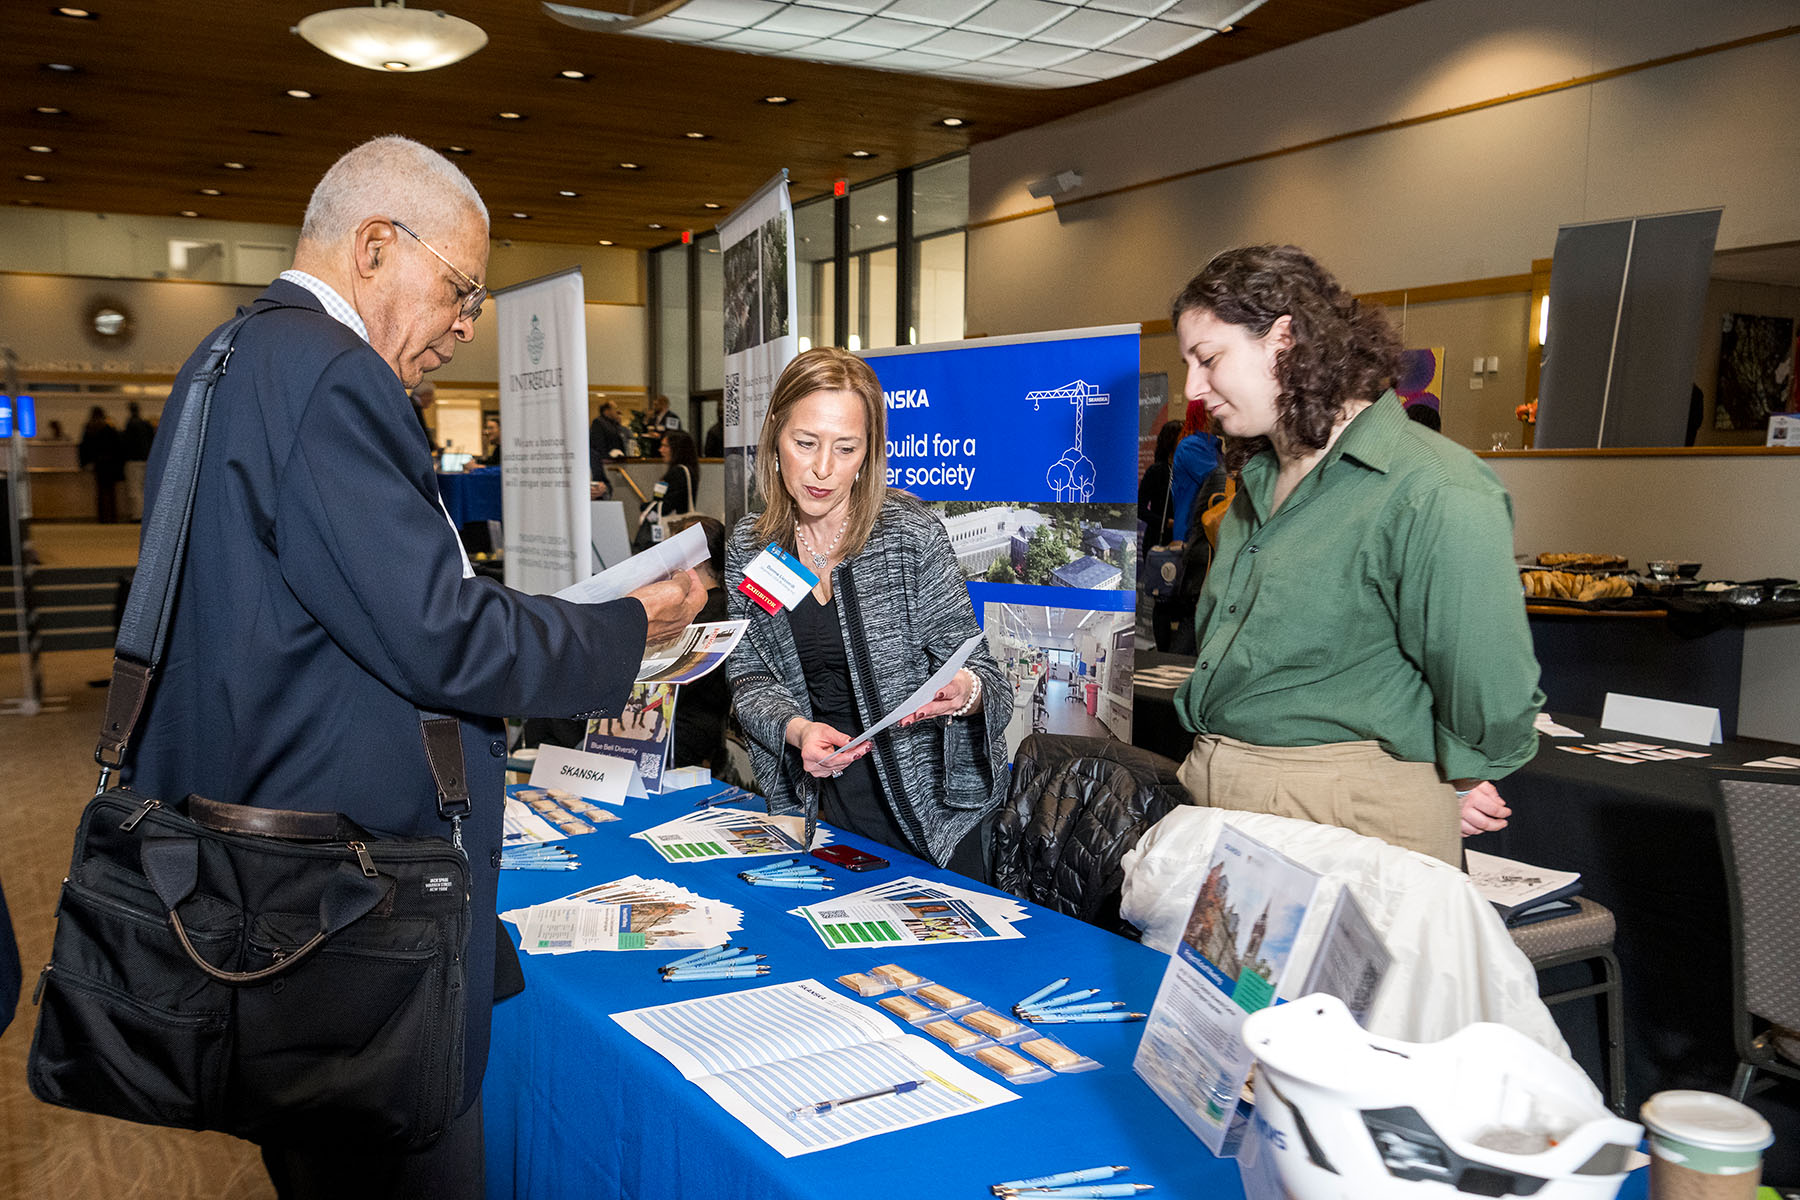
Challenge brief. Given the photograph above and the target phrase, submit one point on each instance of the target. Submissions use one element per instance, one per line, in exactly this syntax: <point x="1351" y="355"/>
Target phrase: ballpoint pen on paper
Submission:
<point x="822" y="1107"/>
<point x="1060" y="1179"/>
<point x="1096" y="1192"/>
<point x="1052" y="986"/>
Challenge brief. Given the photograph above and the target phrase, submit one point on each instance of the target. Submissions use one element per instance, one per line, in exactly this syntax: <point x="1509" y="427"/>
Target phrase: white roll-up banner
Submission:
<point x="543" y="432"/>
<point x="757" y="241"/>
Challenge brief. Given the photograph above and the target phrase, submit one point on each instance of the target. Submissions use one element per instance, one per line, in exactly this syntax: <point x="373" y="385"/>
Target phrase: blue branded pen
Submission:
<point x="805" y="885"/>
<point x="717" y="964"/>
<point x="1081" y="1193"/>
<point x="715" y="958"/>
<point x="1071" y="998"/>
<point x="784" y="872"/>
<point x="1063" y="1010"/>
<point x="1042" y="992"/>
<point x="697" y="955"/>
<point x="694" y="974"/>
<point x="1099" y="1016"/>
<point x="1060" y="1179"/>
<point x="540" y="866"/>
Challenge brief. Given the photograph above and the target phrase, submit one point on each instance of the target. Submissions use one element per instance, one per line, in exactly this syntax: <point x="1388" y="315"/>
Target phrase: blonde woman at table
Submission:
<point x="1363" y="658"/>
<point x="889" y="610"/>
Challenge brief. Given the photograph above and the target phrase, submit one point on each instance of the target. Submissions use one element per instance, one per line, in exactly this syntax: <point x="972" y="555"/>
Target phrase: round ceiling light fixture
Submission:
<point x="391" y="37"/>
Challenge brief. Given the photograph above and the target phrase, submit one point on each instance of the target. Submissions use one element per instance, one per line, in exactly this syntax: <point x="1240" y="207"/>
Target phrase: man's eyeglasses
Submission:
<point x="472" y="298"/>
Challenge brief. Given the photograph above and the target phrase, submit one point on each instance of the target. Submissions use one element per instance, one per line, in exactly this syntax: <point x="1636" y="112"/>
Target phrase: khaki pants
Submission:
<point x="1355" y="785"/>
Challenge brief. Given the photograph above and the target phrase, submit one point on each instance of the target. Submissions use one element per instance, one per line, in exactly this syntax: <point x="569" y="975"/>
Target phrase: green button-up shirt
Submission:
<point x="1379" y="603"/>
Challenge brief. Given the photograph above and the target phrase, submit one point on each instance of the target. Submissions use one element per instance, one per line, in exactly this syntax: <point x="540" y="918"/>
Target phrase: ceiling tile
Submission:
<point x="1087" y="28"/>
<point x="1158" y="40"/>
<point x="1016" y="18"/>
<point x="896" y="35"/>
<point x="935" y="12"/>
<point x="960" y="43"/>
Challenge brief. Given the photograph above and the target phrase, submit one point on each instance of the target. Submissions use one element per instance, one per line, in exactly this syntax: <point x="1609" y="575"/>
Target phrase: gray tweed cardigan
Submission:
<point x="904" y="610"/>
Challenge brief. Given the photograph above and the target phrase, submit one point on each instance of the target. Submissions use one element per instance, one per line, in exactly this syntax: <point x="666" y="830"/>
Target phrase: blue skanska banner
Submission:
<point x="1027" y="449"/>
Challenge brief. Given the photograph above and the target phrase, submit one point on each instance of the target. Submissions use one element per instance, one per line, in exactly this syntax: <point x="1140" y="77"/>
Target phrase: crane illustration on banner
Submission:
<point x="1072" y="477"/>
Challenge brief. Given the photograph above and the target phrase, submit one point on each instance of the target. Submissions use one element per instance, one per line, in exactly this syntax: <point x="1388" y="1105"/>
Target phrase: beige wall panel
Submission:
<point x="1715" y="510"/>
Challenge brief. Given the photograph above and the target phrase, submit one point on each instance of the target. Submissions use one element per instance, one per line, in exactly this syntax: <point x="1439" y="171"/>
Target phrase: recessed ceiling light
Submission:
<point x="712" y="204"/>
<point x="394" y="64"/>
<point x="953" y="122"/>
<point x="860" y="154"/>
<point x="521" y="216"/>
<point x="78" y="14"/>
<point x="211" y="192"/>
<point x="457" y="150"/>
<point x="881" y="217"/>
<point x="778" y="100"/>
<point x="300" y="93"/>
<point x="50" y="110"/>
<point x="655" y="225"/>
<point x="41" y="149"/>
<point x="697" y="136"/>
<point x="630" y="167"/>
<point x="511" y="116"/>
<point x="64" y="67"/>
<point x="567" y="192"/>
<point x="234" y="166"/>
<point x="188" y="212"/>
<point x="572" y="73"/>
<point x="606" y="241"/>
<point x="32" y="178"/>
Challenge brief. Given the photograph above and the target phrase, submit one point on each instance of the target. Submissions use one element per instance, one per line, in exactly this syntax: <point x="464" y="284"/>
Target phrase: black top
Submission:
<point x="852" y="801"/>
<point x="676" y="499"/>
<point x="1153" y="504"/>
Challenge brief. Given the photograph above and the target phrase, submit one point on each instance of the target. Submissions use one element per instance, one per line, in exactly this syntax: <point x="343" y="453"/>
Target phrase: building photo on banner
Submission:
<point x="1026" y="447"/>
<point x="757" y="242"/>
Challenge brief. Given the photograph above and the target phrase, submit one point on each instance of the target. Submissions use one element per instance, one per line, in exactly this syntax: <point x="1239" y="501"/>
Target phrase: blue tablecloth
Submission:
<point x="472" y="495"/>
<point x="577" y="1108"/>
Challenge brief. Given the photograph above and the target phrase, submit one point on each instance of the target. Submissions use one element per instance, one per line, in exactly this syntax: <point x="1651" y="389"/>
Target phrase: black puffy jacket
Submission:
<point x="1076" y="805"/>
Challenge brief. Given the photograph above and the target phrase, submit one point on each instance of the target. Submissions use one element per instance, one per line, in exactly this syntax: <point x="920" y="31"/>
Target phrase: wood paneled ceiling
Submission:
<point x="164" y="93"/>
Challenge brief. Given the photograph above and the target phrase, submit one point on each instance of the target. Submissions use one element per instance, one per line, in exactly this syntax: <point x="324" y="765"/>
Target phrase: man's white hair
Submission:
<point x="393" y="177"/>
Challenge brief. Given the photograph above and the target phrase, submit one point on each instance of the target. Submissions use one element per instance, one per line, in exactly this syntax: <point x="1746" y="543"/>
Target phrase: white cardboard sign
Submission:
<point x="592" y="776"/>
<point x="1662" y="719"/>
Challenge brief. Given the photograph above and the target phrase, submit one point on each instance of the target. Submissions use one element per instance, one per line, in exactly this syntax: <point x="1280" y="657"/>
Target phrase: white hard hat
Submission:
<point x="1485" y="1112"/>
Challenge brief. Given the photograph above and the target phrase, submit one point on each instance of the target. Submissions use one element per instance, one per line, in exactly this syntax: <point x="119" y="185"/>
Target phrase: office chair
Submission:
<point x="1759" y="840"/>
<point x="1584" y="936"/>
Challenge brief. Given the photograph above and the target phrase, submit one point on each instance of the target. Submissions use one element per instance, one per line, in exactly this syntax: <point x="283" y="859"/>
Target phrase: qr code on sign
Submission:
<point x="733" y="386"/>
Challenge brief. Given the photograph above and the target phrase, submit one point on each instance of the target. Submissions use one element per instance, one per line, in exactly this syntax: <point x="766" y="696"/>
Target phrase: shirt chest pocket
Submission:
<point x="1304" y="614"/>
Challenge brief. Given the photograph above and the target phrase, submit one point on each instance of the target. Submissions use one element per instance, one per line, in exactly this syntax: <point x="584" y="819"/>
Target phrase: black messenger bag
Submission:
<point x="284" y="976"/>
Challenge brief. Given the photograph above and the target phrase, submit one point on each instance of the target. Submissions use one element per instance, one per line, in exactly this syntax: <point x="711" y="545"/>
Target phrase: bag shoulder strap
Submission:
<point x="144" y="628"/>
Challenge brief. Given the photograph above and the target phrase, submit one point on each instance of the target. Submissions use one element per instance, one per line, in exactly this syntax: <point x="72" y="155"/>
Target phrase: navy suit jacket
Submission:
<point x="323" y="602"/>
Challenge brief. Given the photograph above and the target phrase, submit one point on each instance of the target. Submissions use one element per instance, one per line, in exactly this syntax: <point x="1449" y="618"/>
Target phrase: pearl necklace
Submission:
<point x="819" y="560"/>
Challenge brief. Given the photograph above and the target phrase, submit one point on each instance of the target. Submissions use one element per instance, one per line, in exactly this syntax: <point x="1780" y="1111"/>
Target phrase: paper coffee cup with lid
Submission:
<point x="1701" y="1134"/>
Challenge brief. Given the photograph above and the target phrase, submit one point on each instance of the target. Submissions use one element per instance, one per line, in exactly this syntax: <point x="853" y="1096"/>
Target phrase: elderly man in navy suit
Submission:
<point x="326" y="599"/>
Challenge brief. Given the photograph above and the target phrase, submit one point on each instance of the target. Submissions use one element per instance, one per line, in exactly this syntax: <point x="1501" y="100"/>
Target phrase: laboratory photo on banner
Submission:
<point x="1070" y="669"/>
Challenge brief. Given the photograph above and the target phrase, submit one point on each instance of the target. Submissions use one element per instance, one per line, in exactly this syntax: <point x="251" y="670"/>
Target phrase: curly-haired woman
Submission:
<point x="1363" y="654"/>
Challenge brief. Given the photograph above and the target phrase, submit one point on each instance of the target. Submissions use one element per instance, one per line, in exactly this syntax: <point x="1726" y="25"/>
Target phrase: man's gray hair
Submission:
<point x="393" y="177"/>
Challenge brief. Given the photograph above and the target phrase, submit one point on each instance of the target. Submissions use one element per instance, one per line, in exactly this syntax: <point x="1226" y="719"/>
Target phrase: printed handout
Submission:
<point x="912" y="911"/>
<point x="694" y="652"/>
<point x="730" y="833"/>
<point x="766" y="1052"/>
<point x="923" y="693"/>
<point x="632" y="913"/>
<point x="686" y="549"/>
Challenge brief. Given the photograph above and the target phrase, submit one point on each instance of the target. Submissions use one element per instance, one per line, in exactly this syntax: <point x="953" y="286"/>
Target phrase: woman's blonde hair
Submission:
<point x="826" y="369"/>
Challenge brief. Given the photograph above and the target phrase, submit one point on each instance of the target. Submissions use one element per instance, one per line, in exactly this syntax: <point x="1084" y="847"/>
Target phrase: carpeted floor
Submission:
<point x="46" y="775"/>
